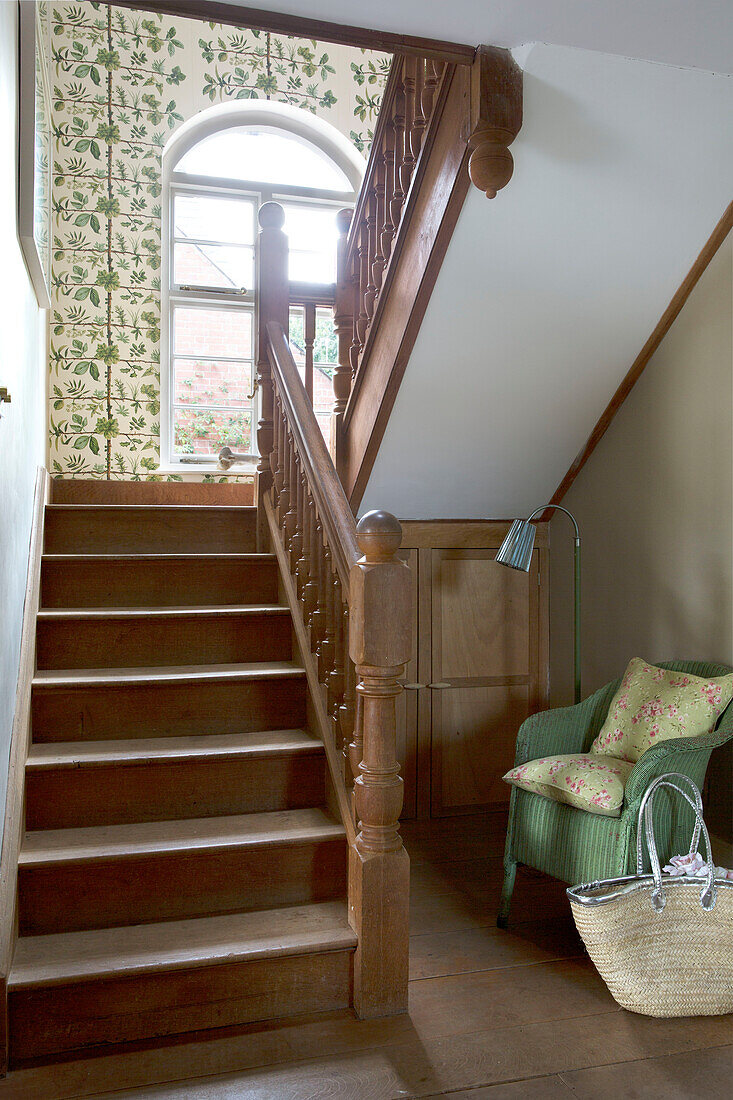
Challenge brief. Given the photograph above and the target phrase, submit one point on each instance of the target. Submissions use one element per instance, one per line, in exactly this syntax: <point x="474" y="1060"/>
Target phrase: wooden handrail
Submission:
<point x="330" y="499"/>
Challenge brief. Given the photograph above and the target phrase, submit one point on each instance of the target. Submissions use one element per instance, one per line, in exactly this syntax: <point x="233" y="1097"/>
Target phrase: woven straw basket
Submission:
<point x="663" y="946"/>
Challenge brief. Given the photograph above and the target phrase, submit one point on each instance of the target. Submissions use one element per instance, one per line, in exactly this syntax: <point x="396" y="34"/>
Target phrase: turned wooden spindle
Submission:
<point x="343" y="319"/>
<point x="388" y="229"/>
<point x="433" y="72"/>
<point x="273" y="305"/>
<point x="327" y="648"/>
<point x="347" y="710"/>
<point x="378" y="261"/>
<point x="370" y="290"/>
<point x="363" y="318"/>
<point x="355" y="349"/>
<point x="301" y="566"/>
<point x="419" y="122"/>
<point x="408" y="85"/>
<point x="380" y="645"/>
<point x="284" y="502"/>
<point x="276" y="453"/>
<point x="336" y="676"/>
<point x="290" y="519"/>
<point x="315" y="621"/>
<point x="311" y="587"/>
<point x="296" y="540"/>
<point x="398" y="128"/>
<point x="309" y="339"/>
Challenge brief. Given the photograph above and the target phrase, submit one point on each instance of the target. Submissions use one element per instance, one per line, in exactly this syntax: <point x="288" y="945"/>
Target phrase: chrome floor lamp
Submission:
<point x="516" y="552"/>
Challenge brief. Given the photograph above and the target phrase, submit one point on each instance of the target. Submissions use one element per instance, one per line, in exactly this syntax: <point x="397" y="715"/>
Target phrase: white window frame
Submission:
<point x="256" y="115"/>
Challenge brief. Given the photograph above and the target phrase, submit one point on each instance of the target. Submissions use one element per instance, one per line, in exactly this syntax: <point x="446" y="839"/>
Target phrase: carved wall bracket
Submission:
<point x="496" y="118"/>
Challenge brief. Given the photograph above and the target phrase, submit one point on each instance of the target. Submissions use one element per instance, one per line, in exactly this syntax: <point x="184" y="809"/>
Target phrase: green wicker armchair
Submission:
<point x="576" y="846"/>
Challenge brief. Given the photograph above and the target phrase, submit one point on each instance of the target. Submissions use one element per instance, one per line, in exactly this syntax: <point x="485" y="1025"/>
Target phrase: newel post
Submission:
<point x="273" y="304"/>
<point x="380" y="643"/>
<point x="343" y="323"/>
<point x="496" y="118"/>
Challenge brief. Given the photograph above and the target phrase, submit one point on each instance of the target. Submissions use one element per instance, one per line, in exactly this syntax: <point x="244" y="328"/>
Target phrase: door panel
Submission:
<point x="477" y="733"/>
<point x="485" y="658"/>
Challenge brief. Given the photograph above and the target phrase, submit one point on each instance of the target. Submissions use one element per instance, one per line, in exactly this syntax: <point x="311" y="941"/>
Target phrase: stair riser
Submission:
<point x="163" y="583"/>
<point x="135" y="641"/>
<point x="69" y="897"/>
<point x="149" y="530"/>
<point x="48" y="1021"/>
<point x="67" y="798"/>
<point x="163" y="710"/>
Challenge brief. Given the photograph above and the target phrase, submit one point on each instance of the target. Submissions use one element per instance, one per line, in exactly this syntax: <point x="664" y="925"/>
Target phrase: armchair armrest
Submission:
<point x="674" y="755"/>
<point x="564" y="729"/>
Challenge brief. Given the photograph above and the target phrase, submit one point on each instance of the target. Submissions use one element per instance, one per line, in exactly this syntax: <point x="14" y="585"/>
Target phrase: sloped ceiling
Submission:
<point x="548" y="292"/>
<point x="698" y="33"/>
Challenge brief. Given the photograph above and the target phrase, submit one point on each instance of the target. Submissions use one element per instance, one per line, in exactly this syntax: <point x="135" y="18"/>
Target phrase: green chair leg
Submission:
<point x="510" y="873"/>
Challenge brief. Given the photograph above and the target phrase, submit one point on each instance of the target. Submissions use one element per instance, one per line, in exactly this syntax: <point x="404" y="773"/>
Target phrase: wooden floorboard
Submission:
<point x="515" y="1015"/>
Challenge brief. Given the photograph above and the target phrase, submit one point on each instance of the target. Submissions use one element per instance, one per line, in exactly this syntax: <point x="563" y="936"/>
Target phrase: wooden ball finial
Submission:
<point x="491" y="164"/>
<point x="379" y="535"/>
<point x="271" y="216"/>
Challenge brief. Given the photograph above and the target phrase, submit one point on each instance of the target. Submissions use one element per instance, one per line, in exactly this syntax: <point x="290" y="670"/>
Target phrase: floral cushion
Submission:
<point x="654" y="704"/>
<point x="587" y="781"/>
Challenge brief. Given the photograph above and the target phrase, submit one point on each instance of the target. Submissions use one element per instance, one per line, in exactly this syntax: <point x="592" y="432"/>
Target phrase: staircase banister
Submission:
<point x="433" y="125"/>
<point x="384" y="119"/>
<point x="333" y="507"/>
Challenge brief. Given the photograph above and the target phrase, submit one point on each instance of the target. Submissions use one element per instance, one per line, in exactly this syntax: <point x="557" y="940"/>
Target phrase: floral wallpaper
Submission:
<point x="121" y="82"/>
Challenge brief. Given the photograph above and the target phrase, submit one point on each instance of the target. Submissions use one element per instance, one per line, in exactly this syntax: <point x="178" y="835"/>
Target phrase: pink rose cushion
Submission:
<point x="587" y="781"/>
<point x="654" y="704"/>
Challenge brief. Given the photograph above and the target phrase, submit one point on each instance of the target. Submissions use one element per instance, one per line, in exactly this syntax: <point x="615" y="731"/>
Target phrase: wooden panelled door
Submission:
<point x="485" y="675"/>
<point x="479" y="669"/>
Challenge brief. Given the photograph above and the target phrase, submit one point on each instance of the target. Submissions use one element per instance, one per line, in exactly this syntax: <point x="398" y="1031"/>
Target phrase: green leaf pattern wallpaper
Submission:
<point x="121" y="82"/>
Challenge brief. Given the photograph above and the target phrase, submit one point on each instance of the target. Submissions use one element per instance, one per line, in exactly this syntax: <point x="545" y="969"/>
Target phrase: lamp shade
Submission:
<point x="516" y="549"/>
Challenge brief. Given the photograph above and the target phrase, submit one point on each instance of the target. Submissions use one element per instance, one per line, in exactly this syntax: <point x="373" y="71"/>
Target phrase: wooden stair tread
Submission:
<point x="128" y="557"/>
<point x="56" y="613"/>
<point x="173" y="945"/>
<point x="104" y="677"/>
<point x="141" y="750"/>
<point x="150" y="509"/>
<point x="104" y="842"/>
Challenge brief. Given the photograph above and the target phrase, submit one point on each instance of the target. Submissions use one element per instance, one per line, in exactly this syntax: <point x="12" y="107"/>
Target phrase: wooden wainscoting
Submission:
<point x="480" y="665"/>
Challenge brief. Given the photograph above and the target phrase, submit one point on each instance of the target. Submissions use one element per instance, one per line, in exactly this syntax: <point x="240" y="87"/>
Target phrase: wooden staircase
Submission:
<point x="180" y="868"/>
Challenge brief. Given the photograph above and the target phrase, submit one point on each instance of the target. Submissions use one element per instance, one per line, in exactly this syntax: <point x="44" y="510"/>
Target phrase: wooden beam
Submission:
<point x="688" y="284"/>
<point x="439" y="197"/>
<point x="237" y="15"/>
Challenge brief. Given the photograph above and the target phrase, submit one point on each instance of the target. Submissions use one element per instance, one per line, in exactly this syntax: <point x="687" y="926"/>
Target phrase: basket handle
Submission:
<point x="646" y="821"/>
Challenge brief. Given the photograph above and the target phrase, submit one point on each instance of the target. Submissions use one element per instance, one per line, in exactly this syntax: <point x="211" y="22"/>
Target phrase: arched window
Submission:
<point x="218" y="170"/>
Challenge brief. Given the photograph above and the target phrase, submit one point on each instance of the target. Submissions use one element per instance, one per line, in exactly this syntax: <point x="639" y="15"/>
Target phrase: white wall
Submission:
<point x="655" y="508"/>
<point x="697" y="33"/>
<point x="548" y="292"/>
<point x="22" y="354"/>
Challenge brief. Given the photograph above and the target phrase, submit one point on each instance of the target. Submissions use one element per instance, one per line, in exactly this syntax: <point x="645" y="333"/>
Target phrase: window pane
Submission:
<point x="212" y="265"/>
<point x="206" y="431"/>
<point x="296" y="336"/>
<point x="325" y="349"/>
<point x="266" y="156"/>
<point x="212" y="332"/>
<point x="312" y="238"/>
<point x="211" y="218"/>
<point x="208" y="382"/>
